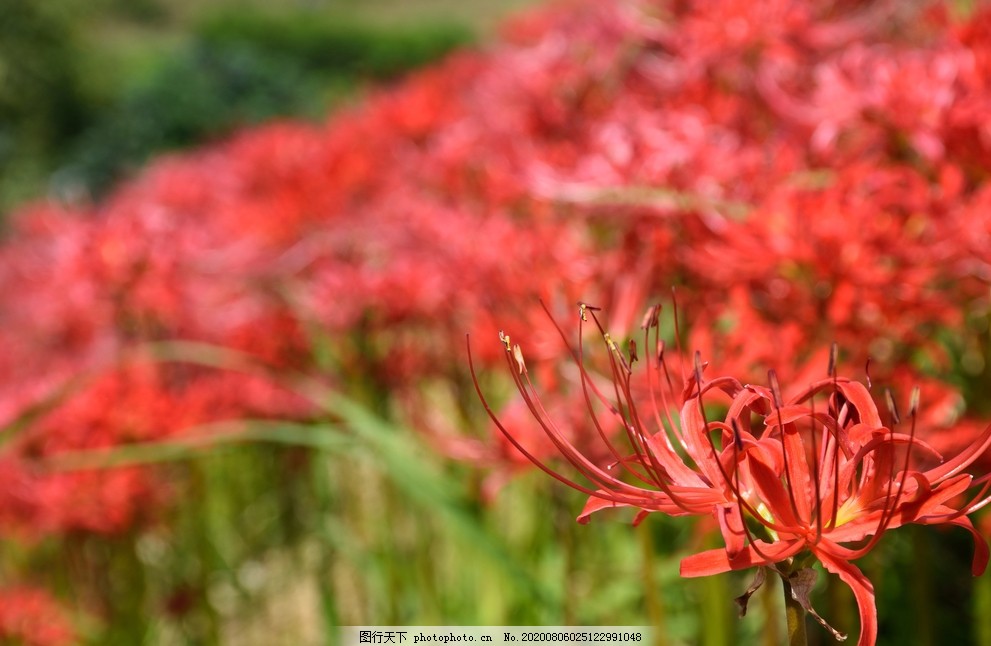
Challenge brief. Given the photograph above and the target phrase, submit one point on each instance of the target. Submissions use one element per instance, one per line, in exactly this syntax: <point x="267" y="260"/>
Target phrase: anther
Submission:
<point x="518" y="355"/>
<point x="651" y="317"/>
<point x="585" y="307"/>
<point x="772" y="378"/>
<point x="737" y="439"/>
<point x="892" y="409"/>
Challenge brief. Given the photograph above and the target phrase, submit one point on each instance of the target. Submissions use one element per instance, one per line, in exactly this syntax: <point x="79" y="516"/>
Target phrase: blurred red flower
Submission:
<point x="30" y="617"/>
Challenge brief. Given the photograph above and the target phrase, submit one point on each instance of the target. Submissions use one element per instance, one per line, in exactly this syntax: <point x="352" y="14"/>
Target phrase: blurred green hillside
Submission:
<point x="90" y="90"/>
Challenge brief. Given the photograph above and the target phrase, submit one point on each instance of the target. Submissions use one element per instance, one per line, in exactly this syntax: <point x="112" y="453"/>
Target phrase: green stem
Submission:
<point x="921" y="587"/>
<point x="795" y="616"/>
<point x="772" y="632"/>
<point x="653" y="605"/>
<point x="982" y="610"/>
<point x="716" y="628"/>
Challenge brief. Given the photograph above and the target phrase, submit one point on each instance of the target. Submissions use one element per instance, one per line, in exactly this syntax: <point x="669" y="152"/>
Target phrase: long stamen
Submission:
<point x="815" y="469"/>
<point x="587" y="384"/>
<point x="632" y="426"/>
<point x="888" y="512"/>
<point x="635" y="432"/>
<point x="622" y="461"/>
<point x="576" y="458"/>
<point x="677" y="334"/>
<point x="521" y="380"/>
<point x="666" y="423"/>
<point x="730" y="482"/>
<point x="737" y="448"/>
<point x="509" y="436"/>
<point x="975" y="503"/>
<point x="656" y="472"/>
<point x="650" y="322"/>
<point x="665" y="403"/>
<point x="660" y="359"/>
<point x="772" y="377"/>
<point x="833" y="354"/>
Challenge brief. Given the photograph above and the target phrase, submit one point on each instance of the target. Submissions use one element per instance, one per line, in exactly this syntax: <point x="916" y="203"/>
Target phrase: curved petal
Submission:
<point x="698" y="445"/>
<point x="865" y="524"/>
<point x="731" y="527"/>
<point x="690" y="501"/>
<point x="962" y="460"/>
<point x="981" y="552"/>
<point x="945" y="492"/>
<point x="718" y="561"/>
<point x="797" y="473"/>
<point x="744" y="399"/>
<point x="772" y="491"/>
<point x="678" y="472"/>
<point x="855" y="392"/>
<point x="594" y="504"/>
<point x="860" y="398"/>
<point x="862" y="588"/>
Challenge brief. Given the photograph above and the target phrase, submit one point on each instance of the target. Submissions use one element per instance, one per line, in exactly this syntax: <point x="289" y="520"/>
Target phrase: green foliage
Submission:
<point x="38" y="91"/>
<point x="236" y="68"/>
<point x="327" y="45"/>
<point x="204" y="92"/>
<point x="242" y="68"/>
<point x="40" y="99"/>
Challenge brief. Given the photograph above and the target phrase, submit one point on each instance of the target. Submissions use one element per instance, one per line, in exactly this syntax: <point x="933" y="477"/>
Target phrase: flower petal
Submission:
<point x="962" y="460"/>
<point x="731" y="527"/>
<point x="698" y="445"/>
<point x="772" y="491"/>
<point x="862" y="588"/>
<point x="718" y="561"/>
<point x="860" y="398"/>
<point x="981" y="552"/>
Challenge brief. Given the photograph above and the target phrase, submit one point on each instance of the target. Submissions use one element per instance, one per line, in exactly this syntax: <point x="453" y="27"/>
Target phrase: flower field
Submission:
<point x="239" y="394"/>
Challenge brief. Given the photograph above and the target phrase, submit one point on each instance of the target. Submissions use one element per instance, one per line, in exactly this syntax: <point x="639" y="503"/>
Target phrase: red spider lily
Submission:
<point x="817" y="475"/>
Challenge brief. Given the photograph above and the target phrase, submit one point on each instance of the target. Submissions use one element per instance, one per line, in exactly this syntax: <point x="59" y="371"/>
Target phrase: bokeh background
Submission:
<point x="243" y="243"/>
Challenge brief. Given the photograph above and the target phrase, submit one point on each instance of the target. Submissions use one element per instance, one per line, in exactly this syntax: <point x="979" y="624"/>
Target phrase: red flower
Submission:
<point x="29" y="616"/>
<point x="818" y="474"/>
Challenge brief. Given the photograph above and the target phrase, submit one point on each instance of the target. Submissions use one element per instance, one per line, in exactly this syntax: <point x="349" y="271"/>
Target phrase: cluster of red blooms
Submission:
<point x="29" y="616"/>
<point x="357" y="239"/>
<point x="808" y="171"/>
<point x="804" y="172"/>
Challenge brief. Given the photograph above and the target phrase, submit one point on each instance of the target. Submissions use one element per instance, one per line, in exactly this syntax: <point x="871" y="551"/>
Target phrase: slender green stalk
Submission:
<point x="718" y="625"/>
<point x="654" y="606"/>
<point x="717" y="629"/>
<point x="772" y="631"/>
<point x="567" y="533"/>
<point x="794" y="616"/>
<point x="921" y="587"/>
<point x="982" y="610"/>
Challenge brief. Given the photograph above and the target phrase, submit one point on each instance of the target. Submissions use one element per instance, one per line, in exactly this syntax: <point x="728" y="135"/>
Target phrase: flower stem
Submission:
<point x="794" y="615"/>
<point x="653" y="606"/>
